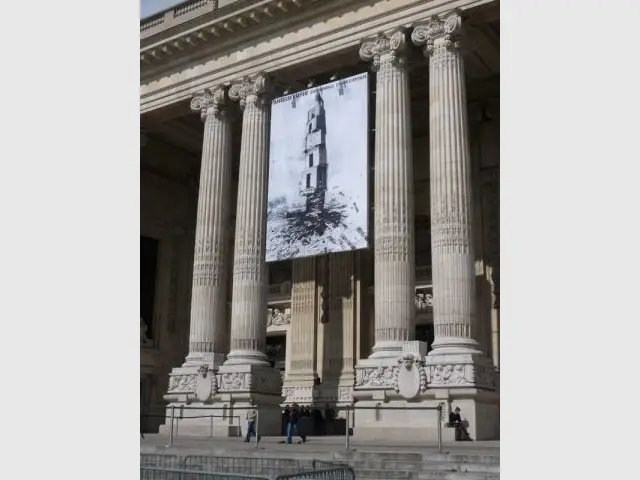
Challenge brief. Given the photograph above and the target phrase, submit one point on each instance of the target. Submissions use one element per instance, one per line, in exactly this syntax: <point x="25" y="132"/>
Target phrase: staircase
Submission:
<point x="421" y="466"/>
<point x="366" y="465"/>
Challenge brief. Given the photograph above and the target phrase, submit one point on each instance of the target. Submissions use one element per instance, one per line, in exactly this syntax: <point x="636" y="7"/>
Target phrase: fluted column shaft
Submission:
<point x="453" y="259"/>
<point x="249" y="294"/>
<point x="394" y="249"/>
<point x="303" y="318"/>
<point x="208" y="326"/>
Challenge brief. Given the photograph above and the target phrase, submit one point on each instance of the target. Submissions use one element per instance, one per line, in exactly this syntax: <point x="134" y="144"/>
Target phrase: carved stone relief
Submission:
<point x="278" y="316"/>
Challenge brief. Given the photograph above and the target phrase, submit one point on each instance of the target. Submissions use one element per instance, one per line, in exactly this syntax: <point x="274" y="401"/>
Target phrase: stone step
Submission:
<point x="426" y="466"/>
<point x="366" y="474"/>
<point x="417" y="457"/>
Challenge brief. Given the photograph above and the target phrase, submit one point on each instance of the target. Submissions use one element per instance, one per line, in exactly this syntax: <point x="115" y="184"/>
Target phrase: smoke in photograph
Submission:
<point x="318" y="171"/>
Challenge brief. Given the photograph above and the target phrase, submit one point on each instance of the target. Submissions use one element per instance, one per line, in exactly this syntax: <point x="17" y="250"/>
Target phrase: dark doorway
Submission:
<point x="425" y="333"/>
<point x="277" y="350"/>
<point x="148" y="269"/>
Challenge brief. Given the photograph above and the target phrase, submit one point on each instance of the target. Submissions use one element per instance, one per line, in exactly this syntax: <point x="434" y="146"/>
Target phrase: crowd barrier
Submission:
<point x="195" y="467"/>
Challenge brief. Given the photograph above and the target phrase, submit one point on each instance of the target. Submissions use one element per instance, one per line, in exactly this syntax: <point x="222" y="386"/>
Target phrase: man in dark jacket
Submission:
<point x="294" y="418"/>
<point x="455" y="421"/>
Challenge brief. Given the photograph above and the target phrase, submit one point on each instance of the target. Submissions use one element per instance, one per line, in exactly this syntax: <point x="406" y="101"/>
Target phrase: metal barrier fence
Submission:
<point x="195" y="467"/>
<point x="349" y="419"/>
<point x="150" y="473"/>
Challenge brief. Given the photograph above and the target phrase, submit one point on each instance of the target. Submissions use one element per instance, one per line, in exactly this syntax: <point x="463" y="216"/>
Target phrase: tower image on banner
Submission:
<point x="318" y="171"/>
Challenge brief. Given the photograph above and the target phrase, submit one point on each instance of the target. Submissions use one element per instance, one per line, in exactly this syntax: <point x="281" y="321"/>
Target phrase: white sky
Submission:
<point x="149" y="7"/>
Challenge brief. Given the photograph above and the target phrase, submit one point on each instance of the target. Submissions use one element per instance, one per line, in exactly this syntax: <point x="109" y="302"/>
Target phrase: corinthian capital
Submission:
<point x="210" y="102"/>
<point x="386" y="47"/>
<point x="255" y="89"/>
<point x="439" y="34"/>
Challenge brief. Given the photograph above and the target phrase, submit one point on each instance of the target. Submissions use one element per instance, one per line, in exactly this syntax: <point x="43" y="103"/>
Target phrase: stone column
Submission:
<point x="299" y="384"/>
<point x="394" y="250"/>
<point x="249" y="297"/>
<point x="247" y="378"/>
<point x="208" y="338"/>
<point x="453" y="260"/>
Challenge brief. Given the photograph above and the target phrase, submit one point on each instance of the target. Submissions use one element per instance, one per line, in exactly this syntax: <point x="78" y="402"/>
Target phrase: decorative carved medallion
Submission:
<point x="411" y="376"/>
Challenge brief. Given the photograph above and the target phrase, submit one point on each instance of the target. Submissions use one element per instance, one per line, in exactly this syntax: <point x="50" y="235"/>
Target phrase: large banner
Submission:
<point x="318" y="171"/>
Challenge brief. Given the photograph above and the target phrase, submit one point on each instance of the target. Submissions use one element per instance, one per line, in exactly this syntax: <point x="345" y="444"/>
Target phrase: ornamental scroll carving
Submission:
<point x="439" y="35"/>
<point x="210" y="102"/>
<point x="253" y="90"/>
<point x="385" y="49"/>
<point x="277" y="316"/>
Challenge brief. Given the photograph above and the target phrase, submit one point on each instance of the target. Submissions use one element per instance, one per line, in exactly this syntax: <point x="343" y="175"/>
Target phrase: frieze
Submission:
<point x="270" y="383"/>
<point x="424" y="300"/>
<point x="182" y="383"/>
<point x="277" y="316"/>
<point x="375" y="377"/>
<point x="299" y="394"/>
<point x="461" y="375"/>
<point x="234" y="382"/>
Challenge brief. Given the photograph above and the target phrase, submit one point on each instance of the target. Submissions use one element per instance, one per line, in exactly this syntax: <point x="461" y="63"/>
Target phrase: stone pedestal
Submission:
<point x="229" y="393"/>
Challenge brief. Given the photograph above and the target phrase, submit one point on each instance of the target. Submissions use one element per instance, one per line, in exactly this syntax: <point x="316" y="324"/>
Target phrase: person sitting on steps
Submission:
<point x="455" y="421"/>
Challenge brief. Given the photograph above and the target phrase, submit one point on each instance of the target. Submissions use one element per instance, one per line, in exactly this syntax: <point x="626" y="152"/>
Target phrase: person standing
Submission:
<point x="252" y="416"/>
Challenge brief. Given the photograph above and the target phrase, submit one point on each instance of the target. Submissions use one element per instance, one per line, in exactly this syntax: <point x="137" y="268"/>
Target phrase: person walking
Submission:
<point x="294" y="418"/>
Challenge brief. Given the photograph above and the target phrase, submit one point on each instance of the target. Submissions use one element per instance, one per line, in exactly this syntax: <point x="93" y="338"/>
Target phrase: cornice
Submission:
<point x="228" y="23"/>
<point x="200" y="65"/>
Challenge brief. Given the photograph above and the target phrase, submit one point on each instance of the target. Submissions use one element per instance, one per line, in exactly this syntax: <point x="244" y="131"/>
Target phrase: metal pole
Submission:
<point x="440" y="428"/>
<point x="346" y="441"/>
<point x="171" y="429"/>
<point x="211" y="426"/>
<point x="257" y="425"/>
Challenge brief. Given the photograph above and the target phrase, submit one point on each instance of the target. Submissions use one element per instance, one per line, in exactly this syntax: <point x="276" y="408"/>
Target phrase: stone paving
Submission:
<point x="187" y="445"/>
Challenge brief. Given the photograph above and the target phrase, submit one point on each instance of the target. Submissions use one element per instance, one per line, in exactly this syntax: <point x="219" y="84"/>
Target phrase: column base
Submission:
<point x="479" y="409"/>
<point x="386" y="350"/>
<point x="247" y="357"/>
<point x="413" y="380"/>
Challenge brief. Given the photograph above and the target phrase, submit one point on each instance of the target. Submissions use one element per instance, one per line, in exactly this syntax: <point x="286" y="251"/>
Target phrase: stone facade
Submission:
<point x="228" y="329"/>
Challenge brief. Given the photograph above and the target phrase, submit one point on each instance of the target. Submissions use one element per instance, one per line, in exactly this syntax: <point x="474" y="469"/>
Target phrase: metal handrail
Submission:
<point x="346" y="408"/>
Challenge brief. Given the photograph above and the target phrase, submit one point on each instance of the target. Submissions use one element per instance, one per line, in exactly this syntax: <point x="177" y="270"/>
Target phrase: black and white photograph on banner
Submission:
<point x="318" y="171"/>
